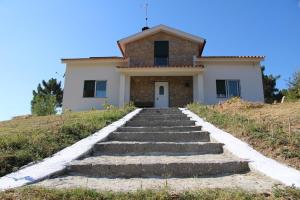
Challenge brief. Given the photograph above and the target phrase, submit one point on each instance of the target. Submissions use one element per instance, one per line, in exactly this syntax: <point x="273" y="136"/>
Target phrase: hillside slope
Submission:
<point x="27" y="139"/>
<point x="273" y="130"/>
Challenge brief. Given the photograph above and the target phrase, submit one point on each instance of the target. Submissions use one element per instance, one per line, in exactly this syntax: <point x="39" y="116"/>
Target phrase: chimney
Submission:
<point x="145" y="28"/>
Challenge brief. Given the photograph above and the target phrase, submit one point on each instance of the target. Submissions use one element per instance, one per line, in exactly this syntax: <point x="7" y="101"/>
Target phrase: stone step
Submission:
<point x="145" y="148"/>
<point x="147" y="123"/>
<point x="160" y="111"/>
<point x="160" y="129"/>
<point x="191" y="136"/>
<point x="158" y="166"/>
<point x="161" y="117"/>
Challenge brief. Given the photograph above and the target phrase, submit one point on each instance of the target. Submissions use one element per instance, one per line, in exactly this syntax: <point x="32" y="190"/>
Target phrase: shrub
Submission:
<point x="44" y="105"/>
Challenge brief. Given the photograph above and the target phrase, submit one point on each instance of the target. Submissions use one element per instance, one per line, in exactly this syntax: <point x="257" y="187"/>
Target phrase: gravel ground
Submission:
<point x="251" y="182"/>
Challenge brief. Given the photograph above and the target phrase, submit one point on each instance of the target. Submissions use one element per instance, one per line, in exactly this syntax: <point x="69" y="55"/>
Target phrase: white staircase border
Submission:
<point x="57" y="163"/>
<point x="283" y="173"/>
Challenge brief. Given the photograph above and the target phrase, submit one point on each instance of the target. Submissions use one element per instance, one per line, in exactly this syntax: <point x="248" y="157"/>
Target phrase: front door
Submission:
<point x="161" y="94"/>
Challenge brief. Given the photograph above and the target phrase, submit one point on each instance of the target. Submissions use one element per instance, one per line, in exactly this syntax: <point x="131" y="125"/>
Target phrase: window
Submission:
<point x="101" y="89"/>
<point x="221" y="88"/>
<point x="161" y="90"/>
<point x="94" y="89"/>
<point x="161" y="53"/>
<point x="89" y="89"/>
<point x="228" y="88"/>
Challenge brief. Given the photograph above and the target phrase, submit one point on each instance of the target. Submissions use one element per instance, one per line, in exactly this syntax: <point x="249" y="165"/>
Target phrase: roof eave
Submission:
<point x="94" y="59"/>
<point x="230" y="58"/>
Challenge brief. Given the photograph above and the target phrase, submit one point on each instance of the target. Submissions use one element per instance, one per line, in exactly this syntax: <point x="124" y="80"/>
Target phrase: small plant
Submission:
<point x="108" y="106"/>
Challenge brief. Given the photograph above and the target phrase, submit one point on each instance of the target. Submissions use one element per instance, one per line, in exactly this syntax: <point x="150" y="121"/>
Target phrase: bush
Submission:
<point x="44" y="105"/>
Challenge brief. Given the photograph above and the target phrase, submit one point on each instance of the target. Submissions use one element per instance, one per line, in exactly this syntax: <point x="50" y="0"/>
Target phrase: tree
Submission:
<point x="44" y="105"/>
<point x="45" y="91"/>
<point x="271" y="93"/>
<point x="293" y="91"/>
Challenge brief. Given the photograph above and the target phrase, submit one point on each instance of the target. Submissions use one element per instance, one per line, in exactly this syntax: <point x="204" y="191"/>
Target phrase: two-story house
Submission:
<point x="160" y="67"/>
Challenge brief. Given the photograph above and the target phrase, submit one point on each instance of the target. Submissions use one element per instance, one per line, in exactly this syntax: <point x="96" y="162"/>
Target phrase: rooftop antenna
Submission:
<point x="146" y="16"/>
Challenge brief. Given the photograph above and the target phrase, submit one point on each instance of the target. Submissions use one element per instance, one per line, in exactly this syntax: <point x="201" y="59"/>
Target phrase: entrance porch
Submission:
<point x="178" y="90"/>
<point x="161" y="86"/>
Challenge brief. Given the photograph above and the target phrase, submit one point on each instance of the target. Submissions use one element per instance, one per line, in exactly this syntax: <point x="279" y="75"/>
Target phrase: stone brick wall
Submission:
<point x="180" y="89"/>
<point x="181" y="51"/>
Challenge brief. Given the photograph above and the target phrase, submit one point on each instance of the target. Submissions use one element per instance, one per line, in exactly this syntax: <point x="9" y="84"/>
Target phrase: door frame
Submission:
<point x="166" y="92"/>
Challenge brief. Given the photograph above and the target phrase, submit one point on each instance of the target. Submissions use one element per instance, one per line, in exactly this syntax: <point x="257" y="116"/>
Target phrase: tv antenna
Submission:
<point x="146" y="13"/>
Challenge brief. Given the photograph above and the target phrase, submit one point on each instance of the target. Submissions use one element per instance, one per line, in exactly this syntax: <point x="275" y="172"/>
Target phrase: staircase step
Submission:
<point x="161" y="117"/>
<point x="158" y="166"/>
<point x="191" y="136"/>
<point x="159" y="129"/>
<point x="134" y="148"/>
<point x="160" y="111"/>
<point x="147" y="123"/>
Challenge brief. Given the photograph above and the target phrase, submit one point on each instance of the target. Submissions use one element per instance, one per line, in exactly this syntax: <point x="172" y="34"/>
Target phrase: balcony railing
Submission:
<point x="161" y="61"/>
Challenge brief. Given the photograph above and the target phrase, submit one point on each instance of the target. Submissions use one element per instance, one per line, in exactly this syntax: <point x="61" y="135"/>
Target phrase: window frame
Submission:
<point x="95" y="89"/>
<point x="227" y="88"/>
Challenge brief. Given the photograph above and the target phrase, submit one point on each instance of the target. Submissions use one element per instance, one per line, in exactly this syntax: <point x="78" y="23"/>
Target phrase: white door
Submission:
<point x="161" y="94"/>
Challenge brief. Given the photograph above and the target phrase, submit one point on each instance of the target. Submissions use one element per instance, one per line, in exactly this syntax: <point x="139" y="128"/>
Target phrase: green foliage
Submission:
<point x="50" y="88"/>
<point x="44" y="105"/>
<point x="271" y="93"/>
<point x="29" y="193"/>
<point x="293" y="91"/>
<point x="32" y="139"/>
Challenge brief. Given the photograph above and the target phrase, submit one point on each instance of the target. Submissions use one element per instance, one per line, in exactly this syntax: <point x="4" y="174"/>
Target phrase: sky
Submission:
<point x="36" y="34"/>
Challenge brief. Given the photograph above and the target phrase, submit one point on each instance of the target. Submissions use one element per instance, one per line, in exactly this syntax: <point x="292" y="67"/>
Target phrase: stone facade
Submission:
<point x="142" y="90"/>
<point x="181" y="51"/>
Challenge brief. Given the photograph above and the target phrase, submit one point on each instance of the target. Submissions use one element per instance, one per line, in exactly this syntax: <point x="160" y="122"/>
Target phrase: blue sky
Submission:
<point x="36" y="34"/>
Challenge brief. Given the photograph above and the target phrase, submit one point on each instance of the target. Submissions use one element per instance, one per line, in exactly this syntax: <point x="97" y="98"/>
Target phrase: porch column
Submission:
<point x="127" y="89"/>
<point x="122" y="90"/>
<point x="198" y="85"/>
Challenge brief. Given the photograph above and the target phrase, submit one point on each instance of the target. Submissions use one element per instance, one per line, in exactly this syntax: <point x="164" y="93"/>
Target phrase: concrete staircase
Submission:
<point x="160" y="143"/>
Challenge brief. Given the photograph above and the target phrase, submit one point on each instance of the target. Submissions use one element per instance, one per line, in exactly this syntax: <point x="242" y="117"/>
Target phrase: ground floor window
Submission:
<point x="228" y="88"/>
<point x="93" y="88"/>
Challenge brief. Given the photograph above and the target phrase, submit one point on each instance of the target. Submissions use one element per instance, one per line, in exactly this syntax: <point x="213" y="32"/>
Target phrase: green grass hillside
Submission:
<point x="27" y="139"/>
<point x="273" y="130"/>
<point x="29" y="193"/>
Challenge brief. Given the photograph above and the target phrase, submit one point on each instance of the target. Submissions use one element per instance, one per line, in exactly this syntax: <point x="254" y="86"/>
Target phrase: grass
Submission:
<point x="273" y="130"/>
<point x="27" y="139"/>
<point x="32" y="193"/>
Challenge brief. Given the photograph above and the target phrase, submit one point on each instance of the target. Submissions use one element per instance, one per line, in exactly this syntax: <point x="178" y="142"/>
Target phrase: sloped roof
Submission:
<point x="122" y="43"/>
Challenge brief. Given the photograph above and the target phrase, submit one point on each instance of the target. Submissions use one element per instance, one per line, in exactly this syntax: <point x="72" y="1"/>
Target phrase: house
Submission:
<point x="160" y="67"/>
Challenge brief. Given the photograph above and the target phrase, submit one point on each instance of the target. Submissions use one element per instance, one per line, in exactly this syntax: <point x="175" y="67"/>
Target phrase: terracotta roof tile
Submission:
<point x="170" y="66"/>
<point x="95" y="58"/>
<point x="231" y="57"/>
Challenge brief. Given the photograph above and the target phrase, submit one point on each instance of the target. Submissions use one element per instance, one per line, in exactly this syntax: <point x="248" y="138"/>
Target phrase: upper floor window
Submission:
<point x="94" y="88"/>
<point x="228" y="88"/>
<point x="161" y="53"/>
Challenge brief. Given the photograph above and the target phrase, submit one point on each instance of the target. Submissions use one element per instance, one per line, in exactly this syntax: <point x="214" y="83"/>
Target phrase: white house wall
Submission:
<point x="249" y="75"/>
<point x="76" y="74"/>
